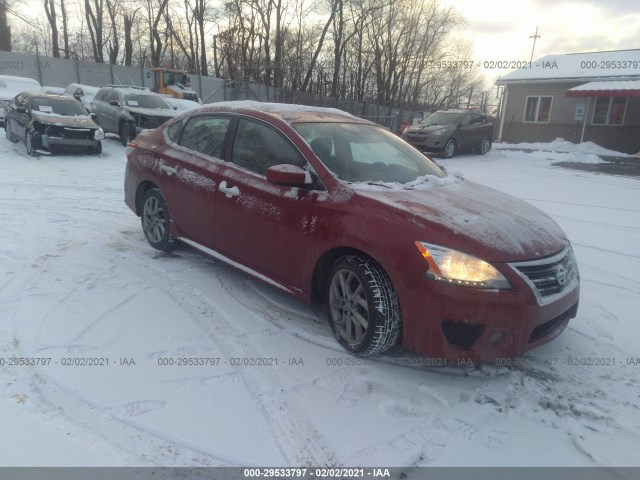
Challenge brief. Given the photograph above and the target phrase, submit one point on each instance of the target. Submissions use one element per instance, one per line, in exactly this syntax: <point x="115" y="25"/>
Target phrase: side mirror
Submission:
<point x="21" y="110"/>
<point x="115" y="103"/>
<point x="93" y="115"/>
<point x="286" y="175"/>
<point x="175" y="108"/>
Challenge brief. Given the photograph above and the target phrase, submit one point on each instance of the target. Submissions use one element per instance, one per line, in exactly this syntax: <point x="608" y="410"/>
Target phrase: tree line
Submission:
<point x="400" y="53"/>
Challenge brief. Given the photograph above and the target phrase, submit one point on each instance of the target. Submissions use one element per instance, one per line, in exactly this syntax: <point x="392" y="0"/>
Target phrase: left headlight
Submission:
<point x="438" y="132"/>
<point x="98" y="134"/>
<point x="458" y="268"/>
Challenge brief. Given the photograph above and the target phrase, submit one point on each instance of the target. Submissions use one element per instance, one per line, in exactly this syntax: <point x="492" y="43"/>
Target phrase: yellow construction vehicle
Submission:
<point x="168" y="81"/>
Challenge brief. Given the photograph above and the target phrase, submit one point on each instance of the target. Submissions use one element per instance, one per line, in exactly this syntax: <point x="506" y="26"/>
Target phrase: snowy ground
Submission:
<point x="79" y="281"/>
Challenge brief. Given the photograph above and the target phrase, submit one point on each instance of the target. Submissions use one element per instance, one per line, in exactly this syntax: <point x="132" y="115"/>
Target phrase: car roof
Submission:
<point x="11" y="78"/>
<point x="290" y="113"/>
<point x="459" y="110"/>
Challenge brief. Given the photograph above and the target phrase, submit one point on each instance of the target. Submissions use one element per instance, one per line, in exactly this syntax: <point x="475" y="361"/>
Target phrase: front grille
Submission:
<point x="70" y="133"/>
<point x="461" y="334"/>
<point x="546" y="328"/>
<point x="550" y="276"/>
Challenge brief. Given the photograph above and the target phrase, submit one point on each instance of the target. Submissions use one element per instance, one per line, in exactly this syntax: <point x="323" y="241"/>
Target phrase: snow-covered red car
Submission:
<point x="341" y="212"/>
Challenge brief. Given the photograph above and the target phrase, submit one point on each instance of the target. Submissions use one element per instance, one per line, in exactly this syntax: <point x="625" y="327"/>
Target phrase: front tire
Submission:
<point x="96" y="149"/>
<point x="30" y="143"/>
<point x="450" y="148"/>
<point x="156" y="221"/>
<point x="125" y="133"/>
<point x="362" y="306"/>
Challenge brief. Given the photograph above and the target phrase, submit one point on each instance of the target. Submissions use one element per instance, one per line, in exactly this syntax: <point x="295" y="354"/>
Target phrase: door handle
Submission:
<point x="168" y="170"/>
<point x="229" y="191"/>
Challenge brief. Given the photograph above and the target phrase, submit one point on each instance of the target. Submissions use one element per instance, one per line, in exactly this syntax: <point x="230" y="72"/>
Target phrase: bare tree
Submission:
<point x="50" y="10"/>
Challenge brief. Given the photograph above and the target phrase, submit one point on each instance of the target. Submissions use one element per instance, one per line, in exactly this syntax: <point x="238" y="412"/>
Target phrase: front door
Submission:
<point x="262" y="225"/>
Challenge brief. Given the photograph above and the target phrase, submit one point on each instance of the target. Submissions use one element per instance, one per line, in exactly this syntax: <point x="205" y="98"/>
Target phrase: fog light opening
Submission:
<point x="496" y="338"/>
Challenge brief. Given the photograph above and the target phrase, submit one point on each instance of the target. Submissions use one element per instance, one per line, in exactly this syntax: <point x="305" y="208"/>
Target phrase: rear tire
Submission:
<point x="10" y="135"/>
<point x="362" y="306"/>
<point x="485" y="146"/>
<point x="156" y="222"/>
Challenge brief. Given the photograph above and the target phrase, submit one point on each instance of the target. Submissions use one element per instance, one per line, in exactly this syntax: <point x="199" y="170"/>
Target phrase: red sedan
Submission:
<point x="341" y="212"/>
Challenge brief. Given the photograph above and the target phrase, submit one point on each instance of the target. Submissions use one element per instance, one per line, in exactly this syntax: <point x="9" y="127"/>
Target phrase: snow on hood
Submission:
<point x="472" y="218"/>
<point x="81" y="121"/>
<point x="152" y="112"/>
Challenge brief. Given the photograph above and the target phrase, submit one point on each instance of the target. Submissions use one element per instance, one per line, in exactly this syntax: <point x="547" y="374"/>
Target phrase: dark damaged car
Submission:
<point x="51" y="123"/>
<point x="126" y="110"/>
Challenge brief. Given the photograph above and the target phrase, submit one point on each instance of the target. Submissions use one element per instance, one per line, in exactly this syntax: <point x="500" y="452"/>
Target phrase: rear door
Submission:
<point x="262" y="225"/>
<point x="188" y="170"/>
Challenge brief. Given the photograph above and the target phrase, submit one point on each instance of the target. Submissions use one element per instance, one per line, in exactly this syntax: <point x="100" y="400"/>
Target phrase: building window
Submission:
<point x="538" y="109"/>
<point x="609" y="111"/>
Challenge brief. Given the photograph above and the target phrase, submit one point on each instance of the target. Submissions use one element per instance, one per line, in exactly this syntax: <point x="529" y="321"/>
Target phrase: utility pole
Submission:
<point x="535" y="37"/>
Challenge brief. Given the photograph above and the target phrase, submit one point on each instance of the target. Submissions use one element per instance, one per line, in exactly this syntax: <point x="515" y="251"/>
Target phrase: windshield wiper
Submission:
<point x="378" y="184"/>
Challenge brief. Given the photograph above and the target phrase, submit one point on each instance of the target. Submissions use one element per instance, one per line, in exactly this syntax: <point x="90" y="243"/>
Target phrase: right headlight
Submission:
<point x="458" y="268"/>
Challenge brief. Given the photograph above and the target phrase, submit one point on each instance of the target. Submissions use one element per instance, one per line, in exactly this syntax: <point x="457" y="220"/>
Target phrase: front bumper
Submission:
<point x="426" y="142"/>
<point x="462" y="324"/>
<point x="50" y="143"/>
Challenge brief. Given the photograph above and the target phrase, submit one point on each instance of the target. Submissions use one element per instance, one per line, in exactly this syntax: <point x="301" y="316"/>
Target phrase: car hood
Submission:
<point x="471" y="218"/>
<point x="427" y="129"/>
<point x="64" y="120"/>
<point x="152" y="112"/>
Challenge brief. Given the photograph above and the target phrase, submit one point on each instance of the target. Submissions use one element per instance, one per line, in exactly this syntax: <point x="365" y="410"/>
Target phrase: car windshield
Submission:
<point x="145" y="101"/>
<point x="441" y="118"/>
<point x="59" y="106"/>
<point x="366" y="153"/>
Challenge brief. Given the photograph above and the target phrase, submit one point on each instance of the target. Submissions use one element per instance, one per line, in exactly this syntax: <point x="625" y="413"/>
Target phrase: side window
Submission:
<point x="172" y="131"/>
<point x="205" y="134"/>
<point x="477" y="119"/>
<point x="466" y="120"/>
<point x="257" y="147"/>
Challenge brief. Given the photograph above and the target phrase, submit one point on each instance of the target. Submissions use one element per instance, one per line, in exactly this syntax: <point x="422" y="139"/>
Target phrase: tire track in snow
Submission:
<point x="299" y="440"/>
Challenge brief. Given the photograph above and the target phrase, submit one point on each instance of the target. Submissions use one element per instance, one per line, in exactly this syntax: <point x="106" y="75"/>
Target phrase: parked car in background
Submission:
<point x="11" y="86"/>
<point x="82" y="93"/>
<point x="53" y="123"/>
<point x="447" y="131"/>
<point x="55" y="90"/>
<point x="180" y="104"/>
<point x="339" y="211"/>
<point x="128" y="110"/>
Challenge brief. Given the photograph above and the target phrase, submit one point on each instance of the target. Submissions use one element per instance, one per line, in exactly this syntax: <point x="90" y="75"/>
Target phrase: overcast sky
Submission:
<point x="500" y="29"/>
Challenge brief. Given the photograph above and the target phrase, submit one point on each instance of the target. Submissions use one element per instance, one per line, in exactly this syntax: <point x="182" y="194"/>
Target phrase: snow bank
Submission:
<point x="562" y="145"/>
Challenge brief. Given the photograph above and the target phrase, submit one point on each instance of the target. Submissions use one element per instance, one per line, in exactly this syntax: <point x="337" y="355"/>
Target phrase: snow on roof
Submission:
<point x="610" y="88"/>
<point x="11" y="86"/>
<point x="616" y="64"/>
<point x="280" y="108"/>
